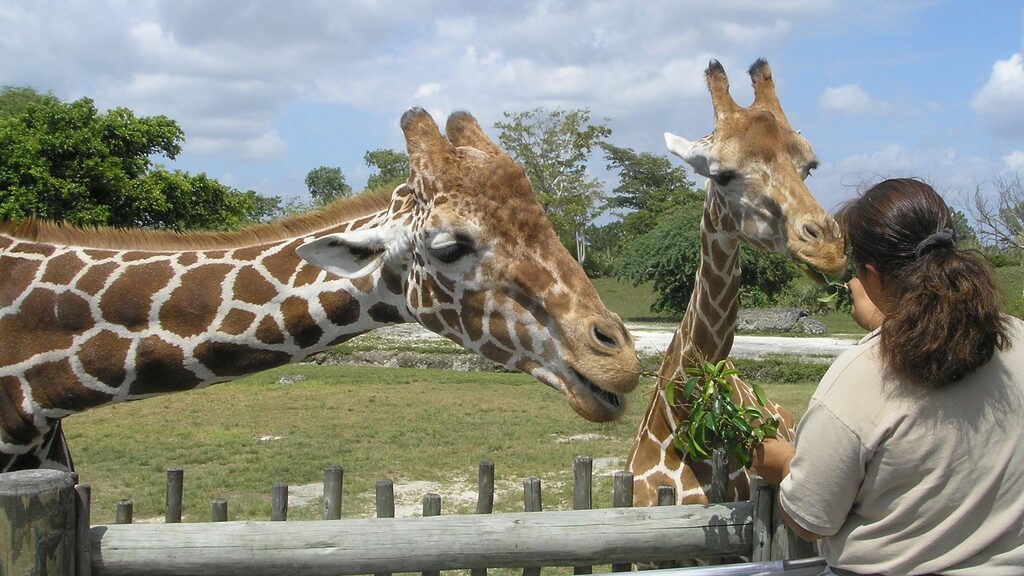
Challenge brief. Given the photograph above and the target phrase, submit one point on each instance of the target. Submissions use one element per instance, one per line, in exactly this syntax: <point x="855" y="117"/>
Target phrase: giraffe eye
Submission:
<point x="449" y="248"/>
<point x="724" y="177"/>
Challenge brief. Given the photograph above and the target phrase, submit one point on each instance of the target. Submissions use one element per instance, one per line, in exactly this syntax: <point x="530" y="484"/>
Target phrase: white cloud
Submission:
<point x="998" y="103"/>
<point x="428" y="89"/>
<point x="849" y="99"/>
<point x="1014" y="161"/>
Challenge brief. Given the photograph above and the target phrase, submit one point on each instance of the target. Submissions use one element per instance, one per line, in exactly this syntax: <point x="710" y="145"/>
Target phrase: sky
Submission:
<point x="265" y="91"/>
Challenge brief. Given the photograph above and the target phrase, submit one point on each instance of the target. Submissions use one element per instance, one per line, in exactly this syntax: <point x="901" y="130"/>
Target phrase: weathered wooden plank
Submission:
<point x="279" y="502"/>
<point x="362" y="546"/>
<point x="583" y="494"/>
<point x="219" y="510"/>
<point x="622" y="496"/>
<point x="125" y="511"/>
<point x="37" y="523"/>
<point x="484" y="498"/>
<point x="761" y="497"/>
<point x="83" y="520"/>
<point x="333" y="479"/>
<point x="175" y="487"/>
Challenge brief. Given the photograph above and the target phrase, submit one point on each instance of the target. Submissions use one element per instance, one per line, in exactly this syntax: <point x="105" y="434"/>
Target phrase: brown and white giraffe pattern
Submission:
<point x="755" y="165"/>
<point x="89" y="318"/>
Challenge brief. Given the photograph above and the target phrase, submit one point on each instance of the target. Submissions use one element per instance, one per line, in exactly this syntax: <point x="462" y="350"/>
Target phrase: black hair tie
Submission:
<point x="945" y="238"/>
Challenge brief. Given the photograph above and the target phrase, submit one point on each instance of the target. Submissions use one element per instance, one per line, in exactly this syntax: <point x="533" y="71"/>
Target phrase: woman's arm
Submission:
<point x="771" y="462"/>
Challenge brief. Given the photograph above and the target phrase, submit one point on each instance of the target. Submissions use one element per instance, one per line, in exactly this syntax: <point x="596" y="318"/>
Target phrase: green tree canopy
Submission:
<point x="668" y="257"/>
<point x="326" y="184"/>
<point x="392" y="168"/>
<point x="649" y="187"/>
<point x="73" y="163"/>
<point x="553" y="147"/>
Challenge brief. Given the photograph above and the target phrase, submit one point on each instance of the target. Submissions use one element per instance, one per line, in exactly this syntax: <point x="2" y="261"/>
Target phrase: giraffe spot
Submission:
<point x="385" y="313"/>
<point x="499" y="355"/>
<point x="236" y="322"/>
<point x="215" y="254"/>
<point x="341" y="308"/>
<point x="392" y="280"/>
<point x="55" y="385"/>
<point x="5" y="242"/>
<point x="33" y="248"/>
<point x="99" y="255"/>
<point x="306" y="275"/>
<point x="16" y="427"/>
<point x="135" y="256"/>
<point x="73" y="313"/>
<point x="128" y="299"/>
<point x="227" y="359"/>
<point x="284" y="262"/>
<point x="193" y="305"/>
<point x="558" y="304"/>
<point x="187" y="258"/>
<point x="530" y="274"/>
<point x="103" y="356"/>
<point x="364" y="284"/>
<point x="95" y="278"/>
<point x="62" y="269"/>
<point x="523" y="335"/>
<point x="18" y="274"/>
<point x="497" y="329"/>
<point x="299" y="323"/>
<point x="452" y="319"/>
<point x="249" y="254"/>
<point x="432" y="322"/>
<point x="269" y="332"/>
<point x="250" y="286"/>
<point x="160" y="367"/>
<point x="33" y="330"/>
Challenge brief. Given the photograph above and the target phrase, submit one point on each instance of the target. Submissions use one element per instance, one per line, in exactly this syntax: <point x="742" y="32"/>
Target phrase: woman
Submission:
<point x="910" y="458"/>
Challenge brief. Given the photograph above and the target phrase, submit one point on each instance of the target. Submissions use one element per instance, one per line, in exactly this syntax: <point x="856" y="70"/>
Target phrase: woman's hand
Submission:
<point x="864" y="312"/>
<point x="771" y="459"/>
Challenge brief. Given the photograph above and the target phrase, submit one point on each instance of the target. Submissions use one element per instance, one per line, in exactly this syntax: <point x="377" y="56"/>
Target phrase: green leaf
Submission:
<point x="762" y="399"/>
<point x="691" y="384"/>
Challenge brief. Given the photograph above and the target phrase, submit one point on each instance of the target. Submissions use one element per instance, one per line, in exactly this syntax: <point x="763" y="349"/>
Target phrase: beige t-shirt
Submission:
<point x="908" y="481"/>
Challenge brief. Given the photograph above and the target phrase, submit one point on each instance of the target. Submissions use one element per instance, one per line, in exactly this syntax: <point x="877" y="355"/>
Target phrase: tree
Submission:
<point x="70" y="162"/>
<point x="669" y="254"/>
<point x="649" y="186"/>
<point x="1001" y="220"/>
<point x="553" y="148"/>
<point x="326" y="184"/>
<point x="392" y="168"/>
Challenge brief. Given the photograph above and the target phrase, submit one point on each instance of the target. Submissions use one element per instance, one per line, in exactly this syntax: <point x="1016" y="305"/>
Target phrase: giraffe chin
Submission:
<point x="585" y="397"/>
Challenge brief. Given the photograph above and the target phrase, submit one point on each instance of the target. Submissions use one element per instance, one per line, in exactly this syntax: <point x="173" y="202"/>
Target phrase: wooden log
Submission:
<point x="532" y="502"/>
<point x="484" y="498"/>
<point x="219" y="510"/>
<point x="175" y="487"/>
<point x="431" y="507"/>
<point x="385" y="500"/>
<point x="719" y="476"/>
<point x="583" y="494"/>
<point x="37" y="523"/>
<point x="279" y="502"/>
<point x="333" y="478"/>
<point x="83" y="516"/>
<point x="125" y="511"/>
<point x="366" y="546"/>
<point x="622" y="497"/>
<point x="761" y="496"/>
<point x="666" y="497"/>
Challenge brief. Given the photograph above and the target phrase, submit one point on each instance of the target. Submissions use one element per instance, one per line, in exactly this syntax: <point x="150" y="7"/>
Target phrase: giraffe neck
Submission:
<point x="85" y="327"/>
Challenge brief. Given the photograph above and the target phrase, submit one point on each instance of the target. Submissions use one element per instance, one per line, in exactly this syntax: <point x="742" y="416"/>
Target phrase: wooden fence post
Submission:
<point x="484" y="498"/>
<point x="432" y="507"/>
<point x="279" y="502"/>
<point x="83" y="541"/>
<point x="583" y="494"/>
<point x="175" y="488"/>
<point x="385" y="504"/>
<point x="125" y="511"/>
<point x="333" y="478"/>
<point x="622" y="497"/>
<point x="219" y="510"/>
<point x="532" y="502"/>
<point x="761" y="495"/>
<point x="37" y="523"/>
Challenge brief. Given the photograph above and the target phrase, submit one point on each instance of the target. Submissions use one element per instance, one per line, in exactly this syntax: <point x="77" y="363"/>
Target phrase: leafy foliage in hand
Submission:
<point x="715" y="422"/>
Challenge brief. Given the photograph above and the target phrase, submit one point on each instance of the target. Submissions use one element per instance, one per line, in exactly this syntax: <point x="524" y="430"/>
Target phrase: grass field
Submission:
<point x="425" y="429"/>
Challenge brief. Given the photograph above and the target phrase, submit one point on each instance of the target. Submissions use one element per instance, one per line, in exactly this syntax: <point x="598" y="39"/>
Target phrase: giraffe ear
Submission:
<point x="696" y="154"/>
<point x="351" y="254"/>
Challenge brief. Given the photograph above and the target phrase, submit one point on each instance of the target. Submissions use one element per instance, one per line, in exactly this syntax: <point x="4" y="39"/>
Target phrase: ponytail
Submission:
<point x="943" y="317"/>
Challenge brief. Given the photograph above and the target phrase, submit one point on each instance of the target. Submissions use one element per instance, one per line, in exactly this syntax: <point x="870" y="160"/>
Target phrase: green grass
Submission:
<point x="1011" y="280"/>
<point x="407" y="425"/>
<point x="631" y="303"/>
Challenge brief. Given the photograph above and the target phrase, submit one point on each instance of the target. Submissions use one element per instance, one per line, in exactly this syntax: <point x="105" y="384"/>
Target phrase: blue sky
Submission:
<point x="266" y="91"/>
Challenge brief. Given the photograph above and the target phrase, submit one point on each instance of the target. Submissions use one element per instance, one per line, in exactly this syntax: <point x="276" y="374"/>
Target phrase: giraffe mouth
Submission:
<point x="601" y="404"/>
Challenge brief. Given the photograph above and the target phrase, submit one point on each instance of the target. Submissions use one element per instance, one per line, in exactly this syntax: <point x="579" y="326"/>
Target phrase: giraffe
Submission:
<point x="90" y="317"/>
<point x="755" y="164"/>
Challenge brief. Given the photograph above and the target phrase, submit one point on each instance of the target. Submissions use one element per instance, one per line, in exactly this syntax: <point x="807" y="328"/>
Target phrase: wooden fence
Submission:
<point x="44" y="523"/>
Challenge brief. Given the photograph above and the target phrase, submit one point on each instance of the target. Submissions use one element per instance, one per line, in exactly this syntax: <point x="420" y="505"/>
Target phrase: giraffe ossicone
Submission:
<point x="755" y="165"/>
<point x="94" y="317"/>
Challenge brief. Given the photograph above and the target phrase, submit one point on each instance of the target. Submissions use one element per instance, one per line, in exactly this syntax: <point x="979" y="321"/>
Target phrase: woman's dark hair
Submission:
<point x="943" y="318"/>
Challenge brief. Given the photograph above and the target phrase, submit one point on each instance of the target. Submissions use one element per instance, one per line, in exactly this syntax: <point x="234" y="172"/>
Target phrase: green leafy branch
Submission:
<point x="715" y="422"/>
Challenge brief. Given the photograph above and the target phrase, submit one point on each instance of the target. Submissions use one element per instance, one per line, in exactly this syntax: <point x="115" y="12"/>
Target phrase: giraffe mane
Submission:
<point x="105" y="237"/>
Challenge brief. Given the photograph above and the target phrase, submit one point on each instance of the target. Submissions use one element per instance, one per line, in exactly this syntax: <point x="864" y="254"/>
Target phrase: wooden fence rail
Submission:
<point x="44" y="522"/>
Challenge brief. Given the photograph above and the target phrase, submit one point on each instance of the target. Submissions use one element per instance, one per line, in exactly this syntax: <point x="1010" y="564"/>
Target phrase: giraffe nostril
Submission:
<point x="604" y="337"/>
<point x="812" y="231"/>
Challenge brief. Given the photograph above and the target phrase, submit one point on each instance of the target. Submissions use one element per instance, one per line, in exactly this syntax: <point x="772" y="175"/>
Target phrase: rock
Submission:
<point x="808" y="325"/>
<point x="768" y="319"/>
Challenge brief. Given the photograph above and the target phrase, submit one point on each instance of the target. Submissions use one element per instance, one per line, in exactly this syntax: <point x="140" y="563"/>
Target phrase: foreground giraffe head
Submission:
<point x="477" y="261"/>
<point x="756" y="165"/>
